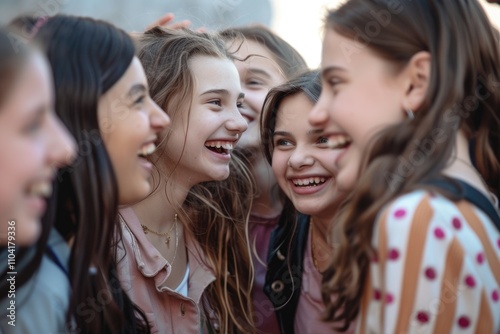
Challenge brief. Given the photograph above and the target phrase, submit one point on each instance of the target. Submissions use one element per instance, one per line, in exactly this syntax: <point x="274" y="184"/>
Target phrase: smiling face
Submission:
<point x="302" y="161"/>
<point x="130" y="121"/>
<point x="33" y="144"/>
<point x="362" y="94"/>
<point x="200" y="141"/>
<point x="258" y="74"/>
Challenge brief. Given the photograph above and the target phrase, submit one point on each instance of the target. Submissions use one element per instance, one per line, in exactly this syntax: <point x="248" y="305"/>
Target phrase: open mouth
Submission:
<point x="40" y="189"/>
<point x="337" y="142"/>
<point x="146" y="150"/>
<point x="220" y="147"/>
<point x="309" y="182"/>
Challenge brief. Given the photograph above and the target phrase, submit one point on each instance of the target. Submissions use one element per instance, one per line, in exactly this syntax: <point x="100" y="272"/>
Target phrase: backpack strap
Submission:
<point x="470" y="194"/>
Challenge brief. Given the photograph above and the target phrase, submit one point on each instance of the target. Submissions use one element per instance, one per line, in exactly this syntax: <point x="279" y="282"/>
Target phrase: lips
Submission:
<point x="146" y="149"/>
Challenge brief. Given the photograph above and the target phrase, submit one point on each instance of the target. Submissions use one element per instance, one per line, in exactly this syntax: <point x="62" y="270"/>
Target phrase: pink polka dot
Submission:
<point x="439" y="233"/>
<point x="480" y="258"/>
<point x="389" y="298"/>
<point x="495" y="296"/>
<point x="470" y="281"/>
<point x="422" y="317"/>
<point x="376" y="294"/>
<point x="393" y="254"/>
<point x="430" y="273"/>
<point x="400" y="213"/>
<point x="457" y="223"/>
<point x="464" y="322"/>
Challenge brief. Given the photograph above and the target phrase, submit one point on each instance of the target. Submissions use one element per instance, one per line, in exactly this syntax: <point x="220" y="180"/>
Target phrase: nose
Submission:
<point x="300" y="158"/>
<point x="318" y="116"/>
<point x="61" y="146"/>
<point x="158" y="118"/>
<point x="236" y="123"/>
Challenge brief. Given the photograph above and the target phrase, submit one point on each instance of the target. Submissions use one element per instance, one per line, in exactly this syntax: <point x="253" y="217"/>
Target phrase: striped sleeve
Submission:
<point x="436" y="269"/>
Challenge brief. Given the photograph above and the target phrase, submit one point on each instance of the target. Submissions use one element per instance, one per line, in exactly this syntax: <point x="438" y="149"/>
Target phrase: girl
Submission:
<point x="33" y="142"/>
<point x="184" y="258"/>
<point x="102" y="97"/>
<point x="264" y="61"/>
<point x="414" y="105"/>
<point x="303" y="165"/>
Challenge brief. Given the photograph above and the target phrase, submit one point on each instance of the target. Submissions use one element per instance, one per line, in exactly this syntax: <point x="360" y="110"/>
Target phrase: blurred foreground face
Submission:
<point x="33" y="144"/>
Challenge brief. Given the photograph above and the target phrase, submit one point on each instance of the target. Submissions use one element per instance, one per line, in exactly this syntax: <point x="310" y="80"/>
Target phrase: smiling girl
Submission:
<point x="413" y="113"/>
<point x="302" y="163"/>
<point x="102" y="97"/>
<point x="185" y="260"/>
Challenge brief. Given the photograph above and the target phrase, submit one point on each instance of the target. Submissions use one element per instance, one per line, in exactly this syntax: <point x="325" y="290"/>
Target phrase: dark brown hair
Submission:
<point x="462" y="95"/>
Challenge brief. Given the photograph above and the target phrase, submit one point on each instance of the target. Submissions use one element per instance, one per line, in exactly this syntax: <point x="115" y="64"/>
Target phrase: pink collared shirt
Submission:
<point x="142" y="271"/>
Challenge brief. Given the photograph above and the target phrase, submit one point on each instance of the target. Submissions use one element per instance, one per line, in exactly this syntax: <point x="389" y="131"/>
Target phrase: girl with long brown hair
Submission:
<point x="413" y="88"/>
<point x="186" y="258"/>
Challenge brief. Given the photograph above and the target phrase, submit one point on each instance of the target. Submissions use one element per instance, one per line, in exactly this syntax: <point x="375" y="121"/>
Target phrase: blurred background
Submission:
<point x="298" y="22"/>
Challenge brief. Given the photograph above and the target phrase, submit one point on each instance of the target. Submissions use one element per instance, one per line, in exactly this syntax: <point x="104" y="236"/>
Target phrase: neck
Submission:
<point x="267" y="203"/>
<point x="158" y="210"/>
<point x="460" y="165"/>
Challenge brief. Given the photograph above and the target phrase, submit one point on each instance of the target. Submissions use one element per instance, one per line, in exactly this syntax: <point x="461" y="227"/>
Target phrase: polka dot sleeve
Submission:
<point x="437" y="269"/>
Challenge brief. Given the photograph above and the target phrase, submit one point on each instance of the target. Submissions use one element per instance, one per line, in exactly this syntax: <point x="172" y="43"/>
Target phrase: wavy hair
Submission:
<point x="215" y="213"/>
<point x="88" y="57"/>
<point x="462" y="95"/>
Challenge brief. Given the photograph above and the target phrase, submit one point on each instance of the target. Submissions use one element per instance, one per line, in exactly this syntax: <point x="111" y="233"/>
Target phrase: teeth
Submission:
<point x="41" y="188"/>
<point x="147" y="150"/>
<point x="220" y="144"/>
<point x="309" y="181"/>
<point x="338" y="141"/>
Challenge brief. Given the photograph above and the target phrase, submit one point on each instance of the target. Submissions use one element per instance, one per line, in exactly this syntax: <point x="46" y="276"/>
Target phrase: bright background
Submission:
<point x="300" y="24"/>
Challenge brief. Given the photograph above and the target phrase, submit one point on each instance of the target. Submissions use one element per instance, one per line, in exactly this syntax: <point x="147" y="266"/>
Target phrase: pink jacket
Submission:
<point x="142" y="270"/>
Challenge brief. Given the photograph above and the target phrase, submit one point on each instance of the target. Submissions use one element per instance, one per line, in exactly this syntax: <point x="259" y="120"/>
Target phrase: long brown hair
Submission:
<point x="215" y="213"/>
<point x="462" y="95"/>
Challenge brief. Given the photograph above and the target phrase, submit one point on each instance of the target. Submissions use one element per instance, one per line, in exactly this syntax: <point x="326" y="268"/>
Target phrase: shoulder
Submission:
<point x="47" y="293"/>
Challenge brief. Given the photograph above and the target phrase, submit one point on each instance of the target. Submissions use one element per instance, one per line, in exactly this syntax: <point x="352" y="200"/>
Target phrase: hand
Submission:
<point x="166" y="22"/>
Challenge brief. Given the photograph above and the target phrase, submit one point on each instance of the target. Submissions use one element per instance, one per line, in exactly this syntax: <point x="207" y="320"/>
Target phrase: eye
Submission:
<point x="140" y="99"/>
<point x="35" y="124"/>
<point x="216" y="102"/>
<point x="322" y="142"/>
<point x="282" y="142"/>
<point x="239" y="104"/>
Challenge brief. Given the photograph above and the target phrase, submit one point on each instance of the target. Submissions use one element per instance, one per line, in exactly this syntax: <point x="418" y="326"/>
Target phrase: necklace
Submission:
<point x="146" y="229"/>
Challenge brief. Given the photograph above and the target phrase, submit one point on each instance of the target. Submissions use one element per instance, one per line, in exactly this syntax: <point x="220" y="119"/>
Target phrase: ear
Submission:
<point x="418" y="73"/>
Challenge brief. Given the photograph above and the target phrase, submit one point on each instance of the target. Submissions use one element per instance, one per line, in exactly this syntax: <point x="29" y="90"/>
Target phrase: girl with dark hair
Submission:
<point x="303" y="166"/>
<point x="33" y="142"/>
<point x="264" y="61"/>
<point x="186" y="255"/>
<point x="102" y="97"/>
<point x="410" y="100"/>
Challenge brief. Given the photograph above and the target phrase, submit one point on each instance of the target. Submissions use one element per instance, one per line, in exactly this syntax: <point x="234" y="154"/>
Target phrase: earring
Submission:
<point x="409" y="113"/>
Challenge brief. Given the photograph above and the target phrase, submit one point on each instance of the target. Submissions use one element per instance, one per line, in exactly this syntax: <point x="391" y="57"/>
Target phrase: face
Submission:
<point x="302" y="161"/>
<point x="200" y="141"/>
<point x="33" y="144"/>
<point x="362" y="94"/>
<point x="130" y="122"/>
<point x="258" y="74"/>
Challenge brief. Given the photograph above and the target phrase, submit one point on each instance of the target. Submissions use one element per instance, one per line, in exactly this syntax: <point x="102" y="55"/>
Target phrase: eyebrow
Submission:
<point x="259" y="71"/>
<point x="332" y="68"/>
<point x="137" y="88"/>
<point x="282" y="133"/>
<point x="241" y="95"/>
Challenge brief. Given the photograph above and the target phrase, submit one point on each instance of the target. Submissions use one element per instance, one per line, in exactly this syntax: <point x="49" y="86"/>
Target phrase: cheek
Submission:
<point x="279" y="166"/>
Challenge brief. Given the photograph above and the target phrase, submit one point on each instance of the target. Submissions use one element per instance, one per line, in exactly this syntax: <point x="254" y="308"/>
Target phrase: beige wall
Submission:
<point x="299" y="23"/>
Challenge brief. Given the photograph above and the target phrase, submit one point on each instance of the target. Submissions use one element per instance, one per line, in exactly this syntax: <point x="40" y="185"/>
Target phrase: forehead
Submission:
<point x="254" y="55"/>
<point x="214" y="73"/>
<point x="293" y="111"/>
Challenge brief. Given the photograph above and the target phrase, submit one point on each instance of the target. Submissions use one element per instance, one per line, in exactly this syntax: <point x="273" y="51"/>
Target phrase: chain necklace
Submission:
<point x="146" y="229"/>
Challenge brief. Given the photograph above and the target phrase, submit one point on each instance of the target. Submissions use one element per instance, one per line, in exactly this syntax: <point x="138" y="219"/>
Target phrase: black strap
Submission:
<point x="472" y="195"/>
<point x="53" y="256"/>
